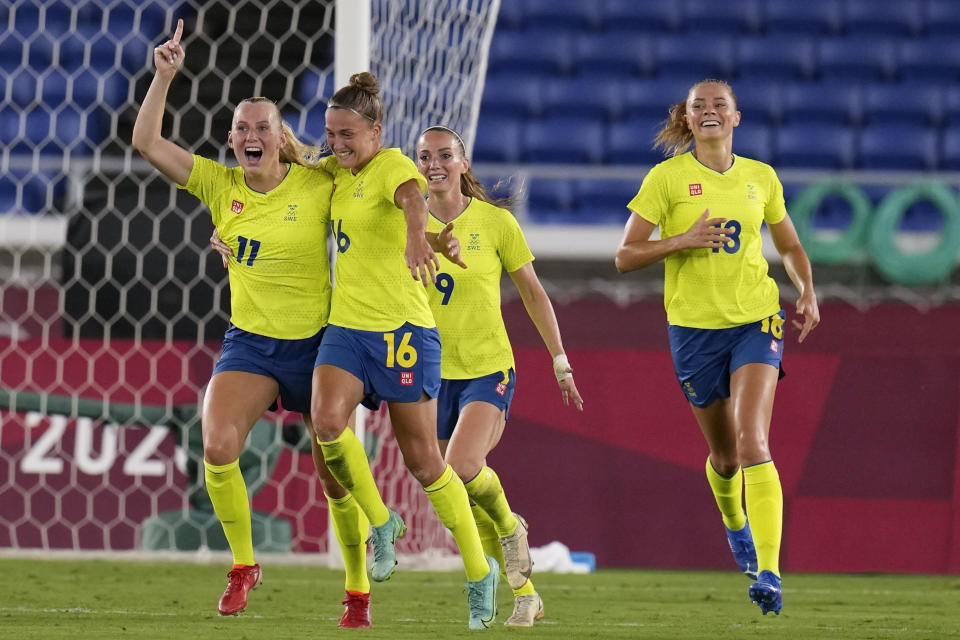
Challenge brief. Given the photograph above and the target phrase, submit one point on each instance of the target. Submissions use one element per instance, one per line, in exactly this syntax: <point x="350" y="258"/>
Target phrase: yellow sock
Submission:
<point x="228" y="493"/>
<point x="526" y="590"/>
<point x="489" y="538"/>
<point x="485" y="490"/>
<point x="352" y="527"/>
<point x="450" y="501"/>
<point x="348" y="464"/>
<point x="729" y="495"/>
<point x="764" y="498"/>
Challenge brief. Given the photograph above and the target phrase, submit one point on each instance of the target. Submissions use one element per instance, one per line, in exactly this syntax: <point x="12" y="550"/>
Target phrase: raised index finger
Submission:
<point x="178" y="32"/>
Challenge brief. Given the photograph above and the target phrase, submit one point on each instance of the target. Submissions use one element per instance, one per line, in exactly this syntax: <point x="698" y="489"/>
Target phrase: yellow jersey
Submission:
<point x="280" y="273"/>
<point x="728" y="286"/>
<point x="374" y="290"/>
<point x="466" y="302"/>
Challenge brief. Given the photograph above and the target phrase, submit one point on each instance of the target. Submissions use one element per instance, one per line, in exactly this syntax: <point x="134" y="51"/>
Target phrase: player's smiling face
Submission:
<point x="256" y="136"/>
<point x="711" y="112"/>
<point x="353" y="138"/>
<point x="440" y="160"/>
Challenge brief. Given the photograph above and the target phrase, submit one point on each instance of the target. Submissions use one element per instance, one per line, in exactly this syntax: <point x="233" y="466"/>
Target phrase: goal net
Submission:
<point x="113" y="307"/>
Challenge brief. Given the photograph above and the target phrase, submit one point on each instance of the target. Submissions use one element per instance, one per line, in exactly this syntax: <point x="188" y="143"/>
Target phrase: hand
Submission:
<point x="449" y="246"/>
<point x="421" y="260"/>
<point x="169" y="56"/>
<point x="221" y="247"/>
<point x="568" y="389"/>
<point x="564" y="374"/>
<point x="706" y="233"/>
<point x="807" y="308"/>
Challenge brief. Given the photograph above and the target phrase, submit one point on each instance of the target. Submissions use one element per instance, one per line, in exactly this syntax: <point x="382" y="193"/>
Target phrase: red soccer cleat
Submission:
<point x="240" y="581"/>
<point x="356" y="614"/>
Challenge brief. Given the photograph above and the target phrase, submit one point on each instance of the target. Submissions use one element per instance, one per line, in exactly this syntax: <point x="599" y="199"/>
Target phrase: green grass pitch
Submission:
<point x="73" y="599"/>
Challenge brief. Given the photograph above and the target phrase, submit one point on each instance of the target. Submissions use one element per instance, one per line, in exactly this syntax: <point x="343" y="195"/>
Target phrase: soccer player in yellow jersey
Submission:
<point x="723" y="310"/>
<point x="272" y="214"/>
<point x="382" y="343"/>
<point x="477" y="367"/>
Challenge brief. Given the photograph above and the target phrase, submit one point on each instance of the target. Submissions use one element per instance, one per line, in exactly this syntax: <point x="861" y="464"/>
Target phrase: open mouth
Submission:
<point x="437" y="177"/>
<point x="253" y="153"/>
<point x="710" y="123"/>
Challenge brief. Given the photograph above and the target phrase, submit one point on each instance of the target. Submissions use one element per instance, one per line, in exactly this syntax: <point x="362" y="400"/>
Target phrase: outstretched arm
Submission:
<point x="637" y="250"/>
<point x="798" y="268"/>
<point x="540" y="310"/>
<point x="419" y="255"/>
<point x="173" y="161"/>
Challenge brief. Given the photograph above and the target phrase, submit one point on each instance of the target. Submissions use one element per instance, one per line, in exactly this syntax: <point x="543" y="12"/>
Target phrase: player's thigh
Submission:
<point x="478" y="431"/>
<point x="415" y="427"/>
<point x="232" y="404"/>
<point x="752" y="390"/>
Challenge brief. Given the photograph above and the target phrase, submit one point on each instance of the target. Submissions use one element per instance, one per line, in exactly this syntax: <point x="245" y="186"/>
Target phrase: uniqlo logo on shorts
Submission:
<point x="236" y="207"/>
<point x="774" y="346"/>
<point x="501" y="388"/>
<point x="695" y="190"/>
<point x="406" y="378"/>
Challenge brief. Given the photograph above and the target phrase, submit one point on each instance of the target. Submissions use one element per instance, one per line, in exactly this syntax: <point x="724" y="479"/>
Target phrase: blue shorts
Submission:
<point x="289" y="362"/>
<point x="495" y="389"/>
<point x="395" y="366"/>
<point x="704" y="359"/>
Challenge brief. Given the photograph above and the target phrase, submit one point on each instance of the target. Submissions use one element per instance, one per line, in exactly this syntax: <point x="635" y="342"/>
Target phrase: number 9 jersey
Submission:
<point x="280" y="271"/>
<point x="466" y="302"/>
<point x="723" y="287"/>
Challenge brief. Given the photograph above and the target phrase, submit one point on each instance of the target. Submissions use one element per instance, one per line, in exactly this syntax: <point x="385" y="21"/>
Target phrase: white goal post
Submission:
<point x="113" y="307"/>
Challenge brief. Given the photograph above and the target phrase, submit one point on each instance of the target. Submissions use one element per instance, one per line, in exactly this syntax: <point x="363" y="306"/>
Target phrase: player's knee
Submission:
<point x="465" y="465"/>
<point x="219" y="450"/>
<point x="326" y="426"/>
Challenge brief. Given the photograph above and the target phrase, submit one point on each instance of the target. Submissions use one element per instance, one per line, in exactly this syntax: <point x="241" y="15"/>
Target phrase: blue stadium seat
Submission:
<point x="922" y="215"/>
<point x="754" y="140"/>
<point x="551" y="195"/>
<point x="308" y="125"/>
<point x="872" y="18"/>
<point x="950" y="148"/>
<point x="696" y="56"/>
<point x="951" y="104"/>
<point x="498" y="139"/>
<point x="901" y="146"/>
<point x="814" y="146"/>
<point x="605" y="201"/>
<point x="630" y="57"/>
<point x="741" y="17"/>
<point x="23" y="87"/>
<point x="935" y="59"/>
<point x="551" y="201"/>
<point x="518" y="52"/>
<point x="759" y="102"/>
<point x="652" y="98"/>
<point x="631" y="141"/>
<point x="857" y="59"/>
<point x="814" y="17"/>
<point x="513" y="94"/>
<point x="316" y="88"/>
<point x="26" y="19"/>
<point x="943" y="18"/>
<point x="571" y="15"/>
<point x="838" y="103"/>
<point x="638" y="19"/>
<point x="906" y="103"/>
<point x="780" y="57"/>
<point x="583" y="96"/>
<point x="510" y="17"/>
<point x="40" y="52"/>
<point x="27" y="191"/>
<point x="563" y="140"/>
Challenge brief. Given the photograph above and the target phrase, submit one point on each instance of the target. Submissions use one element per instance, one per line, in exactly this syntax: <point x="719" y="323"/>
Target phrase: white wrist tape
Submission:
<point x="561" y="367"/>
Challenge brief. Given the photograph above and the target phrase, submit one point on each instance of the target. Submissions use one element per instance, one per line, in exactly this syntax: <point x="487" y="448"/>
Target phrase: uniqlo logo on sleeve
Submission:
<point x="236" y="207"/>
<point x="406" y="378"/>
<point x="695" y="190"/>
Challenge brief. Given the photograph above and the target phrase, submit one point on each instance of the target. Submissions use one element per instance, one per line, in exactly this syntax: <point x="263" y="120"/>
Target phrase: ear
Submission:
<point x="230" y="138"/>
<point x="466" y="164"/>
<point x="736" y="121"/>
<point x="377" y="129"/>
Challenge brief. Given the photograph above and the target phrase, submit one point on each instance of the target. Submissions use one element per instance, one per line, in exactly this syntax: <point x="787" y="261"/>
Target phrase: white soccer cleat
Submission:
<point x="516" y="555"/>
<point x="526" y="609"/>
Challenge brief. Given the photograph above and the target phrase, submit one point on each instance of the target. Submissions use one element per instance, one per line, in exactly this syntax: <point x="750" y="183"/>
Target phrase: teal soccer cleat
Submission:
<point x="384" y="539"/>
<point x="744" y="552"/>
<point x="766" y="592"/>
<point x="482" y="597"/>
